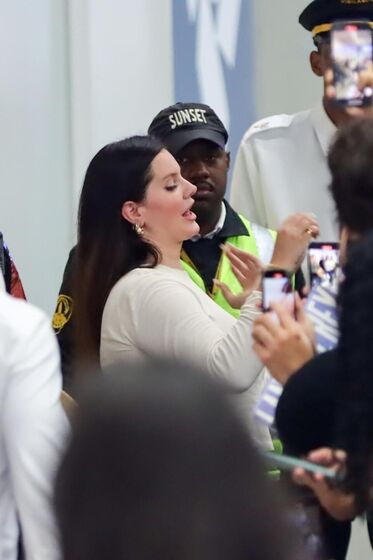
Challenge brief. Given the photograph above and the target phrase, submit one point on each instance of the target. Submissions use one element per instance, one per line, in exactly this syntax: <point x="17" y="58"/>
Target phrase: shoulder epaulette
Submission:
<point x="269" y="123"/>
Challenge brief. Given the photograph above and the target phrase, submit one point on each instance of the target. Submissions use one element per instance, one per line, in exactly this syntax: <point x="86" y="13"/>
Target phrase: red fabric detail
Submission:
<point x="16" y="288"/>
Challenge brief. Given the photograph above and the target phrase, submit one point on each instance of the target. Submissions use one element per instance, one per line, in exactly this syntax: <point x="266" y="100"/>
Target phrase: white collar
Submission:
<point x="323" y="126"/>
<point x="2" y="283"/>
<point x="217" y="229"/>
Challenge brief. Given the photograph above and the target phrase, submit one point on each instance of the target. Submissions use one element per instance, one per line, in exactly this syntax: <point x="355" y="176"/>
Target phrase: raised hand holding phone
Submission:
<point x="277" y="288"/>
<point x="351" y="53"/>
<point x="323" y="261"/>
<point x="363" y="79"/>
<point x="286" y="345"/>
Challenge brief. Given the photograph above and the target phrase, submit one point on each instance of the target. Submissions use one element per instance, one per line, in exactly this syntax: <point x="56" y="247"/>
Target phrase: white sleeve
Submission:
<point x="246" y="195"/>
<point x="170" y="321"/>
<point x="34" y="429"/>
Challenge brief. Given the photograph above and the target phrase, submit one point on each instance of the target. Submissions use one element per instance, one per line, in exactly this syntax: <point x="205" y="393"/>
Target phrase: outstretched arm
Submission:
<point x="286" y="344"/>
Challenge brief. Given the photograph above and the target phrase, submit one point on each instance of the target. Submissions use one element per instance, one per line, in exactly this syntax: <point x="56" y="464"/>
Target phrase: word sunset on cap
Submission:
<point x="185" y="116"/>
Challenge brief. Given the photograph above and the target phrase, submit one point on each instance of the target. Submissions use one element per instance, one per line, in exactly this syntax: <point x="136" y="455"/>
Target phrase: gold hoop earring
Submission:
<point x="138" y="229"/>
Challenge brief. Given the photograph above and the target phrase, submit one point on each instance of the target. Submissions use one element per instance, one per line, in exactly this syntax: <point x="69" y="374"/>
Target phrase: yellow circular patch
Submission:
<point x="62" y="314"/>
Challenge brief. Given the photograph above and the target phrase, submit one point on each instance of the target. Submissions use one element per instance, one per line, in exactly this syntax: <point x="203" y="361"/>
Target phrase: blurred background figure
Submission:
<point x="160" y="467"/>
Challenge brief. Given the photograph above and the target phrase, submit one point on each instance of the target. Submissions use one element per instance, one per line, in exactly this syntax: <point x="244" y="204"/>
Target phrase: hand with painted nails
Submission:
<point x="286" y="344"/>
<point x="332" y="498"/>
<point x="247" y="269"/>
<point x="292" y="240"/>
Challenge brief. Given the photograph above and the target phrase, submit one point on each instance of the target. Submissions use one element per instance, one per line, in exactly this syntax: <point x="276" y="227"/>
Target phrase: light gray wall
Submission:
<point x="121" y="71"/>
<point x="35" y="197"/>
<point x="283" y="77"/>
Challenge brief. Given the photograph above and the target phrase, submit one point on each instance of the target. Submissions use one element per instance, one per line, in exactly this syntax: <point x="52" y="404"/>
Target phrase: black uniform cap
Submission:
<point x="182" y="123"/>
<point x="320" y="14"/>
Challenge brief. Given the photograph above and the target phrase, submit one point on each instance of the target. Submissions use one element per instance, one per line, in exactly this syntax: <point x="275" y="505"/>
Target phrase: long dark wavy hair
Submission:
<point x="355" y="369"/>
<point x="108" y="247"/>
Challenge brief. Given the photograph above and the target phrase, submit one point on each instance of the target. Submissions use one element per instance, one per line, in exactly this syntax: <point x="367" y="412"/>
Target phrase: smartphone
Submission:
<point x="351" y="53"/>
<point x="287" y="462"/>
<point x="323" y="263"/>
<point x="277" y="287"/>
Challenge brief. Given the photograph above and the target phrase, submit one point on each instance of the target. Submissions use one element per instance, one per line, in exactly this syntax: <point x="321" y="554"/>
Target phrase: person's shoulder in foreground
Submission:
<point x="32" y="429"/>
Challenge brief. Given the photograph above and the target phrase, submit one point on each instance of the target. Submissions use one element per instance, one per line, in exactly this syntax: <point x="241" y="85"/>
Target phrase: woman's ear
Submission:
<point x="132" y="213"/>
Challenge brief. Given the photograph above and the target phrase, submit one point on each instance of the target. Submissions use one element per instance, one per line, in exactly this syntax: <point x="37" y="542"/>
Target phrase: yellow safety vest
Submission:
<point x="259" y="242"/>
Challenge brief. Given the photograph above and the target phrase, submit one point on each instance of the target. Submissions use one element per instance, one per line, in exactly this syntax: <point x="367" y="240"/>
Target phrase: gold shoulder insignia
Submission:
<point x="62" y="314"/>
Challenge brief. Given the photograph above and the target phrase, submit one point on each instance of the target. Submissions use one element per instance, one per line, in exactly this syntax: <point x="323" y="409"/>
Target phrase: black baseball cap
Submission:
<point x="319" y="15"/>
<point x="182" y="123"/>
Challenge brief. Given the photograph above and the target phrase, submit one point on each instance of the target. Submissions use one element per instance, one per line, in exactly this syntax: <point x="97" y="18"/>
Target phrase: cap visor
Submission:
<point x="177" y="140"/>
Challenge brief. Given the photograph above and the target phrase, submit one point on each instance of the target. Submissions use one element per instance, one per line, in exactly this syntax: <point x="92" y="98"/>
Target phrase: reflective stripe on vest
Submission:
<point x="259" y="242"/>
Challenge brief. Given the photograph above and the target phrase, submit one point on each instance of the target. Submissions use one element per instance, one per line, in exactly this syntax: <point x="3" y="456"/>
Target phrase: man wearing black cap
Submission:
<point x="196" y="137"/>
<point x="281" y="164"/>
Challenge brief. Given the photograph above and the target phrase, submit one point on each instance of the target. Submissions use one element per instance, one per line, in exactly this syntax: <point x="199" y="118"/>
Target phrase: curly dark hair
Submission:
<point x="355" y="372"/>
<point x="351" y="164"/>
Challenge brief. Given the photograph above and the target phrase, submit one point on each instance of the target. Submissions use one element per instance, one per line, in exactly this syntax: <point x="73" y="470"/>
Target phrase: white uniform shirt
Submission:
<point x="281" y="168"/>
<point x="33" y="428"/>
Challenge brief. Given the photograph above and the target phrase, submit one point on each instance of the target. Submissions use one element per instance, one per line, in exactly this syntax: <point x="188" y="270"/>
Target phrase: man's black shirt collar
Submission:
<point x="233" y="225"/>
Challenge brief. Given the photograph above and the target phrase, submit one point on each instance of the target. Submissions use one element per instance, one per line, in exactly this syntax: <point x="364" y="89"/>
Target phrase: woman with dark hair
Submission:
<point x="133" y="299"/>
<point x="109" y="245"/>
<point x="158" y="467"/>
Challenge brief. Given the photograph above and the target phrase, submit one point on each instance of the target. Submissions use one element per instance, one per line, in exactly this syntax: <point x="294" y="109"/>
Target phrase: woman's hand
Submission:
<point x="286" y="344"/>
<point x="248" y="271"/>
<point x="292" y="240"/>
<point x="340" y="505"/>
<point x="365" y="81"/>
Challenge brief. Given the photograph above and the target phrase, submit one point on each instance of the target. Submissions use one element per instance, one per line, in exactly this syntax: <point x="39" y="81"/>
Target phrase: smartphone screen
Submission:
<point x="351" y="52"/>
<point x="323" y="261"/>
<point x="276" y="287"/>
